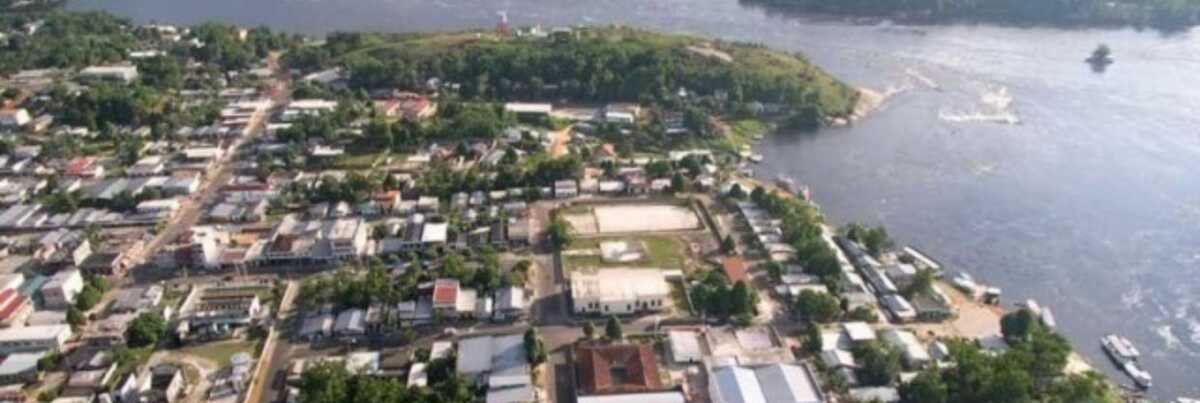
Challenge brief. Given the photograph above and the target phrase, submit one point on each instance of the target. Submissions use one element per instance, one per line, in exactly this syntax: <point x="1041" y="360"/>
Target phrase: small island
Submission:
<point x="1100" y="58"/>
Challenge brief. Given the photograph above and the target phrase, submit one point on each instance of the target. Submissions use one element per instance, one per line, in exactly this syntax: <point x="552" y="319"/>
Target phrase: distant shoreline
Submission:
<point x="1111" y="18"/>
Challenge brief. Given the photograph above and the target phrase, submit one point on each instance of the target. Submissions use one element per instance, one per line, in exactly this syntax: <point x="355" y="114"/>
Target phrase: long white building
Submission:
<point x="619" y="291"/>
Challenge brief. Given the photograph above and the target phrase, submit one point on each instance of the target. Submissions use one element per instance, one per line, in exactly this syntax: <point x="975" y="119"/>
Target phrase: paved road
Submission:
<point x="192" y="208"/>
<point x="276" y="355"/>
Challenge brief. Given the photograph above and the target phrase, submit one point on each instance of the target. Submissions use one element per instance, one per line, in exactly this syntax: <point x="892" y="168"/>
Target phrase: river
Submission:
<point x="998" y="152"/>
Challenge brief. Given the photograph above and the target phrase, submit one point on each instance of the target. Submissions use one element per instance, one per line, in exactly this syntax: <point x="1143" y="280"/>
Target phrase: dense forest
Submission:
<point x="1165" y="15"/>
<point x="589" y="65"/>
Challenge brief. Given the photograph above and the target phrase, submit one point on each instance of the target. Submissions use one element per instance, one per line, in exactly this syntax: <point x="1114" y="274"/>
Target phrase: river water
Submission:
<point x="998" y="151"/>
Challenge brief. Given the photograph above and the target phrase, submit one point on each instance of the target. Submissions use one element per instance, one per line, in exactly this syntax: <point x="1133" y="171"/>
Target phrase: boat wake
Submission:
<point x="996" y="107"/>
<point x="921" y="78"/>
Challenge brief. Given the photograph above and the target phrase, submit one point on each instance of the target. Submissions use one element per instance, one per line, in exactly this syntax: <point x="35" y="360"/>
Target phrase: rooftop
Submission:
<point x="623" y="368"/>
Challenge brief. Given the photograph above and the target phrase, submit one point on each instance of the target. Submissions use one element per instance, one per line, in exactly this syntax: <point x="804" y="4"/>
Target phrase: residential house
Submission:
<point x="60" y="291"/>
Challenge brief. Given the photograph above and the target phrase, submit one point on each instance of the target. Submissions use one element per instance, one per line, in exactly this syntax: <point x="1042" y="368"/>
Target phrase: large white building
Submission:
<point x="307" y="107"/>
<point x="325" y="240"/>
<point x="124" y="74"/>
<point x="34" y="338"/>
<point x="619" y="291"/>
<point x="775" y="383"/>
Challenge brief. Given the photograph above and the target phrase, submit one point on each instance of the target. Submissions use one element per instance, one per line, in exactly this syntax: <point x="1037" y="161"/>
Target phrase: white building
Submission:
<point x="775" y="383"/>
<point x="14" y="117"/>
<point x="307" y="107"/>
<point x="33" y="338"/>
<point x="124" y="74"/>
<point x="60" y="291"/>
<point x="619" y="291"/>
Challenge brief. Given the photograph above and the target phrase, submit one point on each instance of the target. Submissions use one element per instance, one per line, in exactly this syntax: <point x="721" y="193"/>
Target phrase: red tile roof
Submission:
<point x="622" y="368"/>
<point x="735" y="269"/>
<point x="445" y="292"/>
<point x="11" y="304"/>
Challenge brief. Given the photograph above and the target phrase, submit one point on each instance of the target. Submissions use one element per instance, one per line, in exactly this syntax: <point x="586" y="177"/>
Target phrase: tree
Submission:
<point x="1017" y="326"/>
<point x="612" y="329"/>
<point x="742" y="299"/>
<point x="728" y="245"/>
<point x="774" y="271"/>
<point x="589" y="330"/>
<point x="88" y="297"/>
<point x="758" y="195"/>
<point x="736" y="192"/>
<point x="535" y="349"/>
<point x="559" y="233"/>
<point x="813" y="343"/>
<point x="817" y="306"/>
<point x="927" y="387"/>
<point x="146" y="329"/>
<point x="678" y="183"/>
<point x="75" y="317"/>
<point x="922" y="284"/>
<point x="879" y="364"/>
<point x="327" y="382"/>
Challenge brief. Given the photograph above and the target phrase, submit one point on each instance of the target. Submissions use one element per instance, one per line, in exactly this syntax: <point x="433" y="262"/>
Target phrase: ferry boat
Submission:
<point x="1125" y="355"/>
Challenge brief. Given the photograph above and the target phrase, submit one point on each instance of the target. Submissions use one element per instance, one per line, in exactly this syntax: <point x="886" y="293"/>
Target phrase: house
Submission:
<point x="60" y="291"/>
<point x="122" y="73"/>
<point x="167" y="384"/>
<point x="616" y="369"/>
<point x="318" y="240"/>
<point x="34" y="338"/>
<point x="350" y="323"/>
<point x="566" y="188"/>
<point x="773" y="383"/>
<point x="14" y="118"/>
<point x="735" y="269"/>
<point x="84" y="167"/>
<point x="20" y="368"/>
<point x="445" y="296"/>
<point x="499" y="363"/>
<point x="148" y="166"/>
<point x="685" y="346"/>
<point x="510" y="303"/>
<point x="90" y="382"/>
<point x="899" y="307"/>
<point x="912" y="352"/>
<point x="408" y="106"/>
<point x="619" y="291"/>
<point x="15" y="308"/>
<point x="139" y="299"/>
<point x="625" y="114"/>
<point x="316" y="327"/>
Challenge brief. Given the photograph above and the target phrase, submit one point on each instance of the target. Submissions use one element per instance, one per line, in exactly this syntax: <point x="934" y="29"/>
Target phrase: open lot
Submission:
<point x="631" y="218"/>
<point x="661" y="252"/>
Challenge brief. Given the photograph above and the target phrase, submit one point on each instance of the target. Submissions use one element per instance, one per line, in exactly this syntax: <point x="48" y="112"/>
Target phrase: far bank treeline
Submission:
<point x="1166" y="15"/>
<point x="592" y="65"/>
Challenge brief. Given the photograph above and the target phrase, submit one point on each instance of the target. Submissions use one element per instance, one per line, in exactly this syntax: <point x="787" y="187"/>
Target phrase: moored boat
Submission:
<point x="1125" y="355"/>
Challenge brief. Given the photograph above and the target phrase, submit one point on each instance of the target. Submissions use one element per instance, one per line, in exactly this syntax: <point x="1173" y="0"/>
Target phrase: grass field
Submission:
<point x="663" y="252"/>
<point x="219" y="352"/>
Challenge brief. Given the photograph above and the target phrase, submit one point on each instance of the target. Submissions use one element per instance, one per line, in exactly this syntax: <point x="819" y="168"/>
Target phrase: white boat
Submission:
<point x="964" y="282"/>
<point x="1048" y="318"/>
<point x="756" y="158"/>
<point x="1122" y="352"/>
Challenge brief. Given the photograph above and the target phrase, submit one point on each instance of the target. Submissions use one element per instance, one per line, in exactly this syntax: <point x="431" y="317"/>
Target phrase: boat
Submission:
<point x="756" y="158"/>
<point x="963" y="281"/>
<point x="1048" y="318"/>
<point x="1125" y="355"/>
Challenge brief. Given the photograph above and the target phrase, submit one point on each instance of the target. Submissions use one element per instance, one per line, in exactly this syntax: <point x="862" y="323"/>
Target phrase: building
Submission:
<point x="619" y="291"/>
<point x="20" y="368"/>
<point x="735" y="269"/>
<point x="529" y="111"/>
<point x="223" y="307"/>
<point x="316" y="327"/>
<point x="318" y="240"/>
<point x="121" y="73"/>
<point x="774" y="383"/>
<point x="84" y="167"/>
<point x="445" y="296"/>
<point x="15" y="308"/>
<point x="13" y="118"/>
<point x="60" y="291"/>
<point x="912" y="352"/>
<point x="685" y="347"/>
<point x="616" y="369"/>
<point x="566" y="188"/>
<point x="33" y="338"/>
<point x="498" y="362"/>
<point x="307" y="107"/>
<point x="350" y="323"/>
<point x="510" y="303"/>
